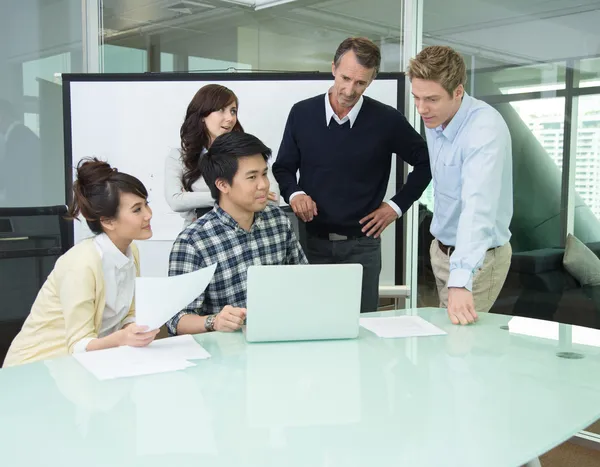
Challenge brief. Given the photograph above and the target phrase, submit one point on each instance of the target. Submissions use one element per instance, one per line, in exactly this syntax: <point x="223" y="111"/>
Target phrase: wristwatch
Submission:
<point x="209" y="323"/>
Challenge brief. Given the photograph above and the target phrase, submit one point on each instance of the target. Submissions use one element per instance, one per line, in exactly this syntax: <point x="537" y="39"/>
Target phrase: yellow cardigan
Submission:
<point x="68" y="307"/>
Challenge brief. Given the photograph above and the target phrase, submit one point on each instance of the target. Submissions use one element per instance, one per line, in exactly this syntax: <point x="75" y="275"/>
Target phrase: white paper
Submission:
<point x="401" y="326"/>
<point x="180" y="347"/>
<point x="158" y="299"/>
<point x="124" y="361"/>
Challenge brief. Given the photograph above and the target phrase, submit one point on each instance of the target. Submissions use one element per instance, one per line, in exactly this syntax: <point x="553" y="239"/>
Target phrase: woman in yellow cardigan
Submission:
<point x="86" y="302"/>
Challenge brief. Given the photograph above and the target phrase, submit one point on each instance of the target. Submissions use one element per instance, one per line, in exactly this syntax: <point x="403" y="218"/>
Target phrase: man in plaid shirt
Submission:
<point x="242" y="230"/>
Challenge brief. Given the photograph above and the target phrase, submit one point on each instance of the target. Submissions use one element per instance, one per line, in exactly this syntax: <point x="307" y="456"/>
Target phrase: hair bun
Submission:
<point x="92" y="171"/>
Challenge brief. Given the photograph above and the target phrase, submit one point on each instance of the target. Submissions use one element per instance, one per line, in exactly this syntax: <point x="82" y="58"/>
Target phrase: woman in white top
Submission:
<point x="212" y="112"/>
<point x="87" y="301"/>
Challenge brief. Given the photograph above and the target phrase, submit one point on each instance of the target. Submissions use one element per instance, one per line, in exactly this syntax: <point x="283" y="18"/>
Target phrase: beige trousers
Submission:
<point x="487" y="281"/>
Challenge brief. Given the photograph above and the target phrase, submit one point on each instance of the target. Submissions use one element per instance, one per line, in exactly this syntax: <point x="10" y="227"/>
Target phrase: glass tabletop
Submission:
<point x="496" y="393"/>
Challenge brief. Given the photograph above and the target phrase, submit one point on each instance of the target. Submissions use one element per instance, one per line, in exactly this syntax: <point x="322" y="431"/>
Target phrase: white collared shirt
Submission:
<point x="119" y="287"/>
<point x="351" y="116"/>
<point x="329" y="113"/>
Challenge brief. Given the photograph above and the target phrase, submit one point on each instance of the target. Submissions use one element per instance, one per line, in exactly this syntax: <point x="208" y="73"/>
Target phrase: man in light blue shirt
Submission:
<point x="471" y="164"/>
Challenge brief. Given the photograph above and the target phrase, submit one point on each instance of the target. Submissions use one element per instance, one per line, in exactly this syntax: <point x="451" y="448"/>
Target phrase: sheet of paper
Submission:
<point x="158" y="299"/>
<point x="121" y="362"/>
<point x="401" y="326"/>
<point x="179" y="347"/>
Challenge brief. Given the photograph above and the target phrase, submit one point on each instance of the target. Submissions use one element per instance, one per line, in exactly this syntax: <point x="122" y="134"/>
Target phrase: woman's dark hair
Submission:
<point x="221" y="160"/>
<point x="97" y="192"/>
<point x="194" y="134"/>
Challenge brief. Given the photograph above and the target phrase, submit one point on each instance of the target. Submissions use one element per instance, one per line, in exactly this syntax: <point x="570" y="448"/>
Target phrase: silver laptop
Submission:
<point x="304" y="302"/>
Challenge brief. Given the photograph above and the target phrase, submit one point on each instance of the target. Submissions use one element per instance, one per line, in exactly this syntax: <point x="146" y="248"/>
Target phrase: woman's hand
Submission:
<point x="136" y="336"/>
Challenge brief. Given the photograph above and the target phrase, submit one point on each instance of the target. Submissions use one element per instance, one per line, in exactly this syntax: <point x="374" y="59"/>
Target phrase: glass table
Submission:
<point x="496" y="393"/>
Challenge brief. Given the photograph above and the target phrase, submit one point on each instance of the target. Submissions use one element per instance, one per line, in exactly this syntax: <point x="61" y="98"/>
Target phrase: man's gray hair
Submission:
<point x="366" y="51"/>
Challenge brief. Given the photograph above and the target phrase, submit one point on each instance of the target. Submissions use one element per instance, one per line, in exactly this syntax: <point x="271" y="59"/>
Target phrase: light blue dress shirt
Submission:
<point x="471" y="165"/>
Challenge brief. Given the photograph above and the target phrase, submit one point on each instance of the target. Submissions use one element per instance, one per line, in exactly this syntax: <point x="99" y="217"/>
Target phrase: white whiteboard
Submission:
<point x="133" y="125"/>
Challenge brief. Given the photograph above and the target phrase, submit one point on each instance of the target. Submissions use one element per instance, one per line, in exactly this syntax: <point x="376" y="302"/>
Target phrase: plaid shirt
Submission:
<point x="217" y="238"/>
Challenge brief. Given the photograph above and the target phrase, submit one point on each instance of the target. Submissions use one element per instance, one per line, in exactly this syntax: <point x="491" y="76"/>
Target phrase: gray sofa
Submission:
<point x="538" y="286"/>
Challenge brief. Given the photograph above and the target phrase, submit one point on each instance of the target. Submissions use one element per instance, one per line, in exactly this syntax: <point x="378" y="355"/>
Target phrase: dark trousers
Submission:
<point x="363" y="250"/>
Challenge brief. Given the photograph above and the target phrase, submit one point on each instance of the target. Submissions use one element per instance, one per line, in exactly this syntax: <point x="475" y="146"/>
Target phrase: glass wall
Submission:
<point x="118" y="59"/>
<point x="38" y="41"/>
<point x="535" y="62"/>
<point x="300" y="35"/>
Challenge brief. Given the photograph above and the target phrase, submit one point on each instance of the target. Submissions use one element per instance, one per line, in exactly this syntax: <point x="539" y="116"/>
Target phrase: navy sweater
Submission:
<point x="346" y="170"/>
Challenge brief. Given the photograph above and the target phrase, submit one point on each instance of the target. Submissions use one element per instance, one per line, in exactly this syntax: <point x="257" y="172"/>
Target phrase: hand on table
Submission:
<point x="230" y="319"/>
<point x="461" y="308"/>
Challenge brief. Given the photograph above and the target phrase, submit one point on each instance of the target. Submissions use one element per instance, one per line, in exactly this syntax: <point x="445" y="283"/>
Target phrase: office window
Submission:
<point x="589" y="71"/>
<point x="167" y="62"/>
<point x="44" y="68"/>
<point x="502" y="79"/>
<point x="587" y="163"/>
<point x="119" y="59"/>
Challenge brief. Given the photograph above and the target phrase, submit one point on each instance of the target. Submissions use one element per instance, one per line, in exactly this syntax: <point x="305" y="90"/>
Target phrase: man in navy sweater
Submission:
<point x="342" y="144"/>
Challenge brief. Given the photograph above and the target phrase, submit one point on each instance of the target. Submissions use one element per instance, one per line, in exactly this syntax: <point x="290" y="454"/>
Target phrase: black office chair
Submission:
<point x="31" y="240"/>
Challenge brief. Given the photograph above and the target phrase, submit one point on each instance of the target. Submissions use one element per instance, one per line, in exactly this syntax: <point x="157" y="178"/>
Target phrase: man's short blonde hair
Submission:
<point x="441" y="64"/>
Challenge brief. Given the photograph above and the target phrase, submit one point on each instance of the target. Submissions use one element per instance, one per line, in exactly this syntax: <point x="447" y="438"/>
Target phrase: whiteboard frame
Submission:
<point x="68" y="78"/>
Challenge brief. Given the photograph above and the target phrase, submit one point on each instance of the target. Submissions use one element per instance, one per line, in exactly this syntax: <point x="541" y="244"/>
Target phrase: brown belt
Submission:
<point x="447" y="250"/>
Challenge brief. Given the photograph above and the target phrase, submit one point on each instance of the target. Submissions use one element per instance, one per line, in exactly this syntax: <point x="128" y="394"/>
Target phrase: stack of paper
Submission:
<point x="401" y="326"/>
<point x="160" y="356"/>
